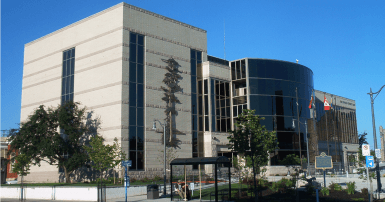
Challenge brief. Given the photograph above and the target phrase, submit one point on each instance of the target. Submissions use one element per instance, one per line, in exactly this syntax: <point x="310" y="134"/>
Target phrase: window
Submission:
<point x="136" y="102"/>
<point x="67" y="90"/>
<point x="223" y="113"/>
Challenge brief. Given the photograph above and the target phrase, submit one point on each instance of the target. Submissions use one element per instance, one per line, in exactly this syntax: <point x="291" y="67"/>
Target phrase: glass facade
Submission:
<point x="272" y="86"/>
<point x="68" y="71"/>
<point x="136" y="102"/>
<point x="198" y="96"/>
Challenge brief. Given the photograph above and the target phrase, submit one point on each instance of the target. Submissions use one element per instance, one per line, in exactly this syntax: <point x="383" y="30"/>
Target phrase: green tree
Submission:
<point x="104" y="156"/>
<point x="361" y="141"/>
<point x="252" y="140"/>
<point x="40" y="139"/>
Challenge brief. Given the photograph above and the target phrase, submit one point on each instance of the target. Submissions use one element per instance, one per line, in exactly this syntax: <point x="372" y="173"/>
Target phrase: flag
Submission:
<point x="326" y="104"/>
<point x="311" y="101"/>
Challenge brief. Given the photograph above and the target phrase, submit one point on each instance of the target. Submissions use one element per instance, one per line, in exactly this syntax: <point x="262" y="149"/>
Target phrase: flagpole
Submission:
<point x="314" y="121"/>
<point x="327" y="133"/>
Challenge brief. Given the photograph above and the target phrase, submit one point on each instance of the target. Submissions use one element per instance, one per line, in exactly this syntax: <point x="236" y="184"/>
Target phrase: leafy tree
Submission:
<point x="361" y="141"/>
<point x="40" y="140"/>
<point x="252" y="139"/>
<point x="104" y="156"/>
<point x="171" y="80"/>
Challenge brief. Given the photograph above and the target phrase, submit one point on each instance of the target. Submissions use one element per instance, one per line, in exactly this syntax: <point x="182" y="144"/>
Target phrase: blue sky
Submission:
<point x="343" y="42"/>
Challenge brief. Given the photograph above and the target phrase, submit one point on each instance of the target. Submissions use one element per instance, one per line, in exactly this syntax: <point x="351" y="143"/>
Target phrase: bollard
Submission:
<point x="316" y="193"/>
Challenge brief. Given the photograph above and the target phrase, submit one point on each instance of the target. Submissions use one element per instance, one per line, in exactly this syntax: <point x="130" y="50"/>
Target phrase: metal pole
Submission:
<point x="299" y="129"/>
<point x="125" y="179"/>
<point x="307" y="148"/>
<point x="164" y="177"/>
<point x="375" y="141"/>
<point x="324" y="179"/>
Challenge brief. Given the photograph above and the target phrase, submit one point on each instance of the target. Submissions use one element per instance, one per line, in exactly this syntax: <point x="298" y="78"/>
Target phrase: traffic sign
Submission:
<point x="127" y="163"/>
<point x="365" y="150"/>
<point x="369" y="161"/>
<point x="378" y="153"/>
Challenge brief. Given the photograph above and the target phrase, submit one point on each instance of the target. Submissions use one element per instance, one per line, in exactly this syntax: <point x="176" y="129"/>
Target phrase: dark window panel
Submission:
<point x="133" y="159"/>
<point x="140" y="73"/>
<point x="193" y="84"/>
<point x="219" y="125"/>
<point x="132" y="38"/>
<point x="140" y="55"/>
<point x="207" y="127"/>
<point x="140" y="160"/>
<point x="72" y="97"/>
<point x="140" y="138"/>
<point x="68" y="83"/>
<point x="68" y="54"/>
<point x="233" y="74"/>
<point x="206" y="87"/>
<point x="223" y="112"/>
<point x="193" y="68"/>
<point x="200" y="105"/>
<point x="68" y="68"/>
<point x="194" y="103"/>
<point x="132" y="92"/>
<point x="140" y="40"/>
<point x="206" y="105"/>
<point x="63" y="99"/>
<point x="222" y="89"/>
<point x="227" y="102"/>
<point x="72" y="66"/>
<point x="200" y="87"/>
<point x="213" y="124"/>
<point x="73" y="53"/>
<point x="227" y="90"/>
<point x="243" y="69"/>
<point x="64" y="56"/>
<point x="228" y="126"/>
<point x="238" y="69"/>
<point x="132" y="115"/>
<point x="235" y="114"/>
<point x="63" y="86"/>
<point x="195" y="122"/>
<point x="228" y="111"/>
<point x="140" y="94"/>
<point x="132" y="137"/>
<point x="72" y="84"/>
<point x="200" y="123"/>
<point x="199" y="56"/>
<point x="140" y="116"/>
<point x="192" y="54"/>
<point x="223" y="125"/>
<point x="132" y="52"/>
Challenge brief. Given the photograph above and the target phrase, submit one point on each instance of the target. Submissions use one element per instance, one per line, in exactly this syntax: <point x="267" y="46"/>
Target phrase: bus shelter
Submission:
<point x="203" y="161"/>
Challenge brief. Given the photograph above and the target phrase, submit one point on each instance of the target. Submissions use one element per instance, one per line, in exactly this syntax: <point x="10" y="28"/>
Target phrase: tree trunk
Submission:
<point x="255" y="184"/>
<point x="67" y="175"/>
<point x="170" y="126"/>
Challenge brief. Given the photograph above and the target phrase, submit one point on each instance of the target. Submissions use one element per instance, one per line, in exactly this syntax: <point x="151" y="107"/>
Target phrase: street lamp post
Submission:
<point x="307" y="143"/>
<point x="164" y="144"/>
<point x="375" y="139"/>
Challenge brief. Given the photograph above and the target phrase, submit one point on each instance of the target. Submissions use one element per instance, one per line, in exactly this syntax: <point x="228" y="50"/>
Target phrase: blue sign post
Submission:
<point x="126" y="177"/>
<point x="369" y="161"/>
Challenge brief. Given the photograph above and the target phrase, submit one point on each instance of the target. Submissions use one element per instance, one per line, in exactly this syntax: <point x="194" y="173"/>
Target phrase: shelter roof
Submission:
<point x="200" y="160"/>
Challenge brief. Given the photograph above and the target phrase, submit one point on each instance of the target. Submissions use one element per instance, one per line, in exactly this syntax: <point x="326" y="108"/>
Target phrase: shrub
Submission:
<point x="364" y="191"/>
<point x="332" y="186"/>
<point x="309" y="189"/>
<point x="132" y="180"/>
<point x="325" y="191"/>
<point x="335" y="187"/>
<point x="157" y="178"/>
<point x="276" y="174"/>
<point x="144" y="179"/>
<point x="274" y="186"/>
<point x="351" y="187"/>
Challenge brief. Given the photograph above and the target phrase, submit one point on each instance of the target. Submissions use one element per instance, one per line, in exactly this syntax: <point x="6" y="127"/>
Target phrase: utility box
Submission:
<point x="152" y="191"/>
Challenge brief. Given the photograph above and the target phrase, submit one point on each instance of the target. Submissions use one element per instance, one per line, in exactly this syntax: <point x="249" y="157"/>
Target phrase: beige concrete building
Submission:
<point x="113" y="63"/>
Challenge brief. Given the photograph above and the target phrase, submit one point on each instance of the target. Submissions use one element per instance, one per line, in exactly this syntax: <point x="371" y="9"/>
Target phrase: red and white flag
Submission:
<point x="311" y="101"/>
<point x="326" y="104"/>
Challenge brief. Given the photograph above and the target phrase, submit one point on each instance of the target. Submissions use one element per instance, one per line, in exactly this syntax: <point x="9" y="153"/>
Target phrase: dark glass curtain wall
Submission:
<point x="272" y="85"/>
